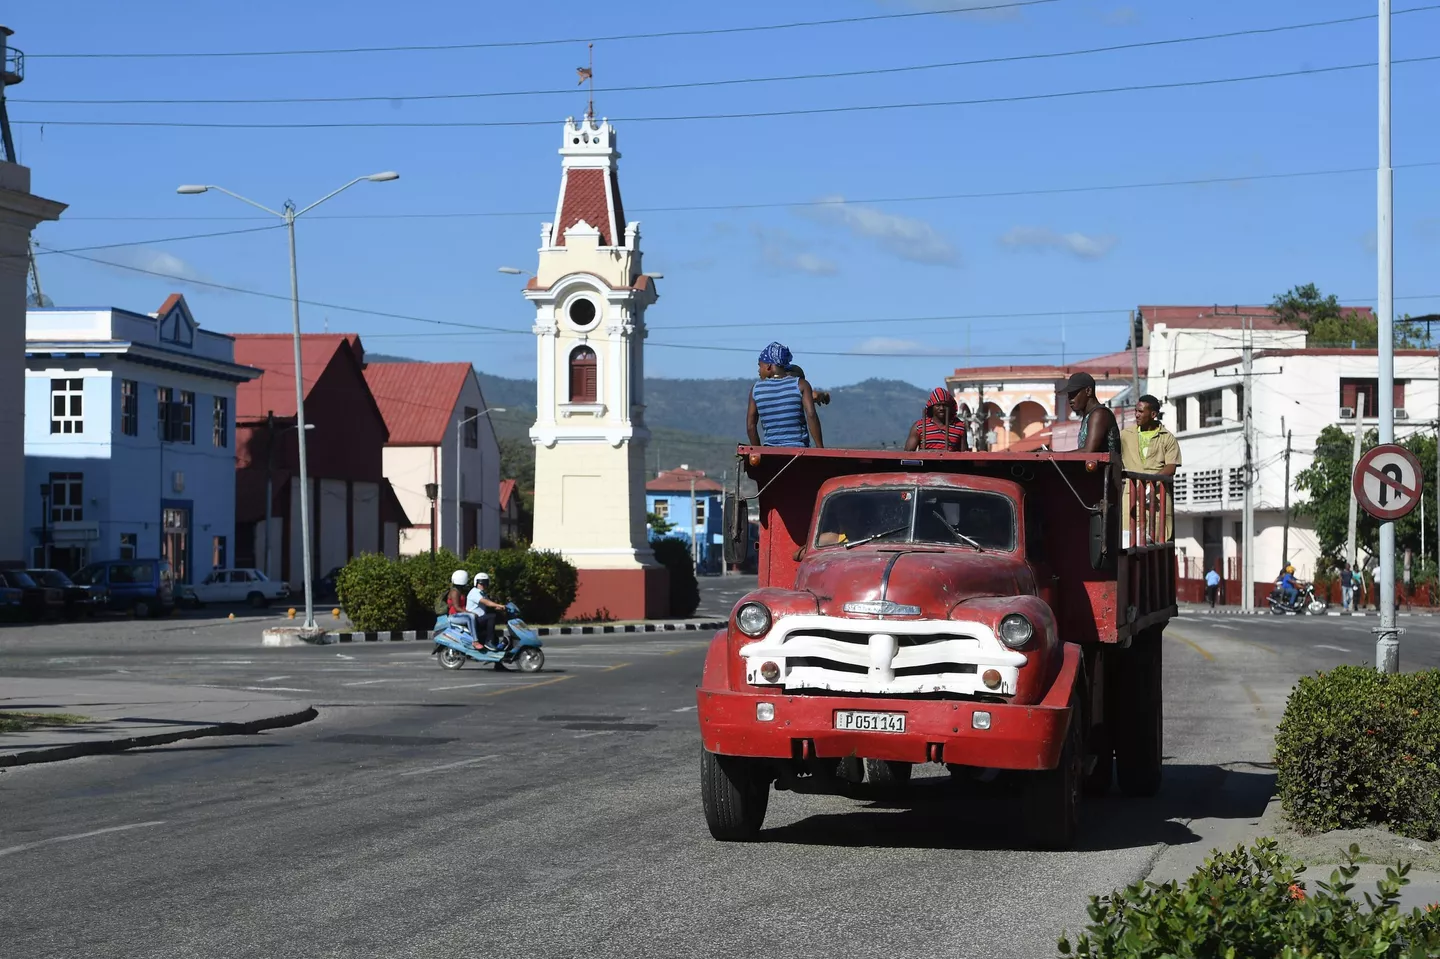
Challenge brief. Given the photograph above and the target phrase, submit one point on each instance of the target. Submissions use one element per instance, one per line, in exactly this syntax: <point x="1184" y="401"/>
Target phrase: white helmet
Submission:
<point x="459" y="578"/>
<point x="482" y="577"/>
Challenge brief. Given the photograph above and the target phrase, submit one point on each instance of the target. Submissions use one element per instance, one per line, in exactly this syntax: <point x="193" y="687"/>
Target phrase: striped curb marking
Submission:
<point x="410" y="635"/>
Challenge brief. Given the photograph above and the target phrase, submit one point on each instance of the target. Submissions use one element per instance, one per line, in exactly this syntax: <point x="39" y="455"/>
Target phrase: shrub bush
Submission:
<point x="674" y="555"/>
<point x="1251" y="904"/>
<point x="375" y="592"/>
<point x="1357" y="747"/>
<point x="541" y="583"/>
<point x="429" y="578"/>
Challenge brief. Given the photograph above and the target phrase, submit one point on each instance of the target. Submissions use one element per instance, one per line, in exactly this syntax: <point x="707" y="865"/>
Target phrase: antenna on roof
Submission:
<point x="587" y="75"/>
<point x="327" y="324"/>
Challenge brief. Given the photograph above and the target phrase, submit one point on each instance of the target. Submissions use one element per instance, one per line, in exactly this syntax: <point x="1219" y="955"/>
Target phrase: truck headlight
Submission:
<point x="1016" y="630"/>
<point x="753" y="619"/>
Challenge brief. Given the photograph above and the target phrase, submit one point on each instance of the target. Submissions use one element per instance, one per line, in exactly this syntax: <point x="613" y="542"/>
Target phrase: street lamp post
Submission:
<point x="459" y="446"/>
<point x="289" y="214"/>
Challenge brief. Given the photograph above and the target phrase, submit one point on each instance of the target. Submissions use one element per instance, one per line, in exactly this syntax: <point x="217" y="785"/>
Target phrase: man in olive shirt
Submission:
<point x="1148" y="447"/>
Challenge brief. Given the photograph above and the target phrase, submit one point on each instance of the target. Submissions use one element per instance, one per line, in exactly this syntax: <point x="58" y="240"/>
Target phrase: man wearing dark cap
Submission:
<point x="1148" y="447"/>
<point x="1099" y="433"/>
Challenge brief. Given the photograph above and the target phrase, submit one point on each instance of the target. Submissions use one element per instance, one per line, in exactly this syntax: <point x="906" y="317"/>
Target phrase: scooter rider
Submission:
<point x="479" y="606"/>
<point x="1288" y="588"/>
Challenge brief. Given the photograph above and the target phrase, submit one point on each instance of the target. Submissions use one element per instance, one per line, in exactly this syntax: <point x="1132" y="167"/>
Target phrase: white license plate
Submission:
<point x="870" y="722"/>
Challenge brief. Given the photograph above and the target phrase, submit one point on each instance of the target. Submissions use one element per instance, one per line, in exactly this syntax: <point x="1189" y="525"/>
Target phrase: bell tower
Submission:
<point x="590" y="297"/>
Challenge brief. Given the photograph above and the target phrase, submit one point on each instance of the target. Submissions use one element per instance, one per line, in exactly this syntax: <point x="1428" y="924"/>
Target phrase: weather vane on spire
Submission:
<point x="587" y="74"/>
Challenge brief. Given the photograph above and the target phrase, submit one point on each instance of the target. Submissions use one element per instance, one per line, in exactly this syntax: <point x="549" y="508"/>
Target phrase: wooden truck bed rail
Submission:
<point x="1147" y="557"/>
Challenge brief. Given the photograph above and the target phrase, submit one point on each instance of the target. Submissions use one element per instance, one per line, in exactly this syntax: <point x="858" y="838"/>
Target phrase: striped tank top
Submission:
<point x="935" y="436"/>
<point x="782" y="415"/>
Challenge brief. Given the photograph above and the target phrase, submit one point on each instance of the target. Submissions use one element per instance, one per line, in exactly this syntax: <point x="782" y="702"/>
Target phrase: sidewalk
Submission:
<point x="126" y="715"/>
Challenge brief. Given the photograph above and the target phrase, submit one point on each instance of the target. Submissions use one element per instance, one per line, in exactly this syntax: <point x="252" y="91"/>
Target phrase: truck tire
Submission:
<point x="887" y="774"/>
<point x="1140" y="738"/>
<point x="1051" y="800"/>
<point x="734" y="794"/>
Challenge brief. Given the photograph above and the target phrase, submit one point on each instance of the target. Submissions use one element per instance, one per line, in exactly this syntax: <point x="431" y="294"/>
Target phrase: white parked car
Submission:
<point x="240" y="586"/>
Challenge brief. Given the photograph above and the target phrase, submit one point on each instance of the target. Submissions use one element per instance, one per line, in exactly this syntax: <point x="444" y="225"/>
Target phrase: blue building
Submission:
<point x="693" y="504"/>
<point x="129" y="438"/>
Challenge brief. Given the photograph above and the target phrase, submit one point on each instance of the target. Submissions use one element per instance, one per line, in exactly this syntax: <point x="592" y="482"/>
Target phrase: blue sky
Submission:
<point x="927" y="284"/>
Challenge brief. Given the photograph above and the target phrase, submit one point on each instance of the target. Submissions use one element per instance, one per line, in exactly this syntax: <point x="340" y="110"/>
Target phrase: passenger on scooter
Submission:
<point x="455" y="602"/>
<point x="1287" y="586"/>
<point x="479" y="606"/>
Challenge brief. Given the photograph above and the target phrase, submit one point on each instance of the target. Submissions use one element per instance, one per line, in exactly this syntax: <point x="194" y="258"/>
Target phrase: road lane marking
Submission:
<point x="79" y="835"/>
<point x="1223" y="626"/>
<point x="603" y="732"/>
<point x="609" y="669"/>
<point x="458" y="764"/>
<point x="368" y="682"/>
<point x="267" y="689"/>
<point x="1195" y="646"/>
<point x="267" y="679"/>
<point x="343" y="656"/>
<point x="1254" y="699"/>
<point x="1354" y="629"/>
<point x="682" y="709"/>
<point x="438" y="689"/>
<point x="1338" y="649"/>
<point x="547" y="682"/>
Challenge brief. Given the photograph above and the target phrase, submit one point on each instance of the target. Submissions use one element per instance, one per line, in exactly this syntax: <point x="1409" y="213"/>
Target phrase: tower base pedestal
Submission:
<point x="641" y="592"/>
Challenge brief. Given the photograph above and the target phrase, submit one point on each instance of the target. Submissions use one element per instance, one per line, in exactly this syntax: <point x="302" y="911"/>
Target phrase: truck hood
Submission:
<point x="932" y="579"/>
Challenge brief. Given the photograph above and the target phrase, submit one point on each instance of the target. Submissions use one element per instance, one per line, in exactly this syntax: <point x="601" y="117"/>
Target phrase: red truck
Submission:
<point x="987" y="611"/>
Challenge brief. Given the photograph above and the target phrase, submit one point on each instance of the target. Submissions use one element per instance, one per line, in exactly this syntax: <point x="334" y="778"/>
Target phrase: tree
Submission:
<point x="1327" y="323"/>
<point x="659" y="525"/>
<point x="517" y="462"/>
<point x="1327" y="480"/>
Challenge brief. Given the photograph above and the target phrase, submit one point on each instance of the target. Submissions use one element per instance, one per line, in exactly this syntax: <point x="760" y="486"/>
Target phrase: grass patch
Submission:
<point x="23" y="722"/>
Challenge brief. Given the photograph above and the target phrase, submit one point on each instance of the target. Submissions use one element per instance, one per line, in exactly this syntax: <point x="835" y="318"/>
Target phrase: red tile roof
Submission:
<point x="274" y="390"/>
<point x="507" y="490"/>
<point x="585" y="200"/>
<point x="417" y="399"/>
<point x="678" y="481"/>
<point x="1120" y="365"/>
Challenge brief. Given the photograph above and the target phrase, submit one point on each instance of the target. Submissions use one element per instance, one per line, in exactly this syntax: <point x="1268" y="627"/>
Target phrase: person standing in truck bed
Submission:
<point x="782" y="406"/>
<point x="940" y="428"/>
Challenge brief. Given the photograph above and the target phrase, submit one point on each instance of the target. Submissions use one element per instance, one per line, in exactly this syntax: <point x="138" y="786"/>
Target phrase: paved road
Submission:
<point x="557" y="815"/>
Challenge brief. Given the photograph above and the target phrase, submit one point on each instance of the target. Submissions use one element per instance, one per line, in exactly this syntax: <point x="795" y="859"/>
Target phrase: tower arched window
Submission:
<point x="582" y="375"/>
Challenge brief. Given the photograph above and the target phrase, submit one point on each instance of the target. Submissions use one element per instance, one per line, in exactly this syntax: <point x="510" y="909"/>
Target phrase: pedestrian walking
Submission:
<point x="1212" y="586"/>
<point x="1347" y="587"/>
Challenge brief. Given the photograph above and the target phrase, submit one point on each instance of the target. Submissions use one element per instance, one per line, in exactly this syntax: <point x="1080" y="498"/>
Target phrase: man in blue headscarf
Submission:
<point x="781" y="404"/>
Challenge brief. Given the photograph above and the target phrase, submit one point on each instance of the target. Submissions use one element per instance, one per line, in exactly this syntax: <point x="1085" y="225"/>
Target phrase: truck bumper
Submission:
<point x="1018" y="737"/>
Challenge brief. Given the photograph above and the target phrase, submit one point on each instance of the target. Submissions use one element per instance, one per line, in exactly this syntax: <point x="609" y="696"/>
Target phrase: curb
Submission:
<point x="1236" y="611"/>
<point x="410" y="635"/>
<point x="50" y="754"/>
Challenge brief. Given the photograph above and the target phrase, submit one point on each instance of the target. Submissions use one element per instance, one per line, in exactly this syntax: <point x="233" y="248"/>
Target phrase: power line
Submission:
<point x="827" y="202"/>
<point x="498" y="44"/>
<point x="750" y="115"/>
<point x="690" y="85"/>
<point x="46" y="251"/>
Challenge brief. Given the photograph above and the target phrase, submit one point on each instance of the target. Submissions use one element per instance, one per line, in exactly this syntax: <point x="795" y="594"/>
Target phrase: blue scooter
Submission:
<point x="454" y="644"/>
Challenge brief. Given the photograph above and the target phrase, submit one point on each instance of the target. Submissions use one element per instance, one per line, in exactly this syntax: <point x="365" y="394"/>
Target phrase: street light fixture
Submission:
<point x="459" y="445"/>
<point x="288" y="213"/>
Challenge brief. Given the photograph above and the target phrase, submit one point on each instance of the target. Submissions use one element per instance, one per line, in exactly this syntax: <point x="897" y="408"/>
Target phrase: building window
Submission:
<point x="1351" y="390"/>
<point x="1211" y="408"/>
<point x="217" y="553"/>
<point x="67" y="406"/>
<point x="164" y="406"/>
<point x="127" y="545"/>
<point x="187" y="418"/>
<point x="221" y="422"/>
<point x="471" y="419"/>
<point x="129" y="408"/>
<point x="700" y="512"/>
<point x="177" y="417"/>
<point x="1181" y="488"/>
<point x="582" y="375"/>
<point x="67" y="497"/>
<point x="1205" y="486"/>
<point x="1182" y="408"/>
<point x="1235" y="482"/>
<point x="662" y="508"/>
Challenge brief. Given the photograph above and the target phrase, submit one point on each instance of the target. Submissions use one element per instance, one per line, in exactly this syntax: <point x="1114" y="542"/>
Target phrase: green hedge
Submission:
<point x="1252" y="904"/>
<point x="381" y="594"/>
<point x="375" y="593"/>
<point x="674" y="555"/>
<point x="1357" y="747"/>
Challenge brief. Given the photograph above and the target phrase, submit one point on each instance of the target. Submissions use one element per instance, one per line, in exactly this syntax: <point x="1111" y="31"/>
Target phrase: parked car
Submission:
<point x="12" y="602"/>
<point x="145" y="587"/>
<point x="240" y="586"/>
<point x="37" y="601"/>
<point x="79" y="600"/>
<point x="325" y="591"/>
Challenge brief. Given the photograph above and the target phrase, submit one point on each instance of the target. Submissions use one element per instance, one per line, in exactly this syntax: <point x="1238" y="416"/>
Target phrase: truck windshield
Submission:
<point x="945" y="516"/>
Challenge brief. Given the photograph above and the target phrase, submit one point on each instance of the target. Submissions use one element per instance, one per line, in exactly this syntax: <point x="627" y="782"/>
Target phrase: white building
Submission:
<point x="437" y="417"/>
<point x="590" y="294"/>
<point x="1295" y="391"/>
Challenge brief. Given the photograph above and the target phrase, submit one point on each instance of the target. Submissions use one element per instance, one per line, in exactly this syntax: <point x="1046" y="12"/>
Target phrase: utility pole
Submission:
<point x="694" y="537"/>
<point x="269" y="480"/>
<point x="1247" y="566"/>
<point x="1350" y="553"/>
<point x="1387" y="642"/>
<point x="1285" y="539"/>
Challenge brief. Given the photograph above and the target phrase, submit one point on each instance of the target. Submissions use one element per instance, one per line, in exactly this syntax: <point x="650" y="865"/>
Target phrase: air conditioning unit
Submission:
<point x="1401" y="414"/>
<point x="1347" y="412"/>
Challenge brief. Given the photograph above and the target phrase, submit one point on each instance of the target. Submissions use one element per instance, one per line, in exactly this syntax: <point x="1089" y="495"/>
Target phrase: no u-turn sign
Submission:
<point x="1387" y="482"/>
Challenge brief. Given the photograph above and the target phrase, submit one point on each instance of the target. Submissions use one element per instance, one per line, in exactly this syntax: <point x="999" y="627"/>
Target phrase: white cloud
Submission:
<point x="779" y="250"/>
<point x="1083" y="245"/>
<point x="903" y="236"/>
<point x="887" y="344"/>
<point x="175" y="269"/>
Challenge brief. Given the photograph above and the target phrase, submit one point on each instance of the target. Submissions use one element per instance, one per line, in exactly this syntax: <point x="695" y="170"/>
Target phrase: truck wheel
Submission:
<point x="734" y="794"/>
<point x="1139" y="743"/>
<point x="1052" y="797"/>
<point x="1097" y="781"/>
<point x="887" y="774"/>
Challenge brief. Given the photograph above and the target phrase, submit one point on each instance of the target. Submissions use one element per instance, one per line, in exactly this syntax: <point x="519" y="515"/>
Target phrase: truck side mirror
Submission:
<point x="1099" y="548"/>
<point x="737" y="530"/>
